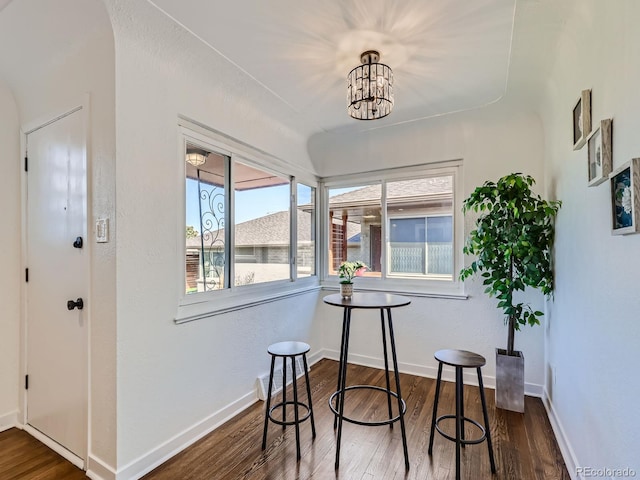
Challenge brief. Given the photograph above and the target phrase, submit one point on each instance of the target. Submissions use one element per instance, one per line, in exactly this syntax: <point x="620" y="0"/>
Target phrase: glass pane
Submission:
<point x="420" y="213"/>
<point x="407" y="245"/>
<point x="262" y="226"/>
<point x="206" y="206"/>
<point x="440" y="245"/>
<point x="355" y="228"/>
<point x="306" y="248"/>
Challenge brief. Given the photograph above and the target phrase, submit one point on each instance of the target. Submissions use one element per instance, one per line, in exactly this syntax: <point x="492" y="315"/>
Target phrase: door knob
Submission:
<point x="79" y="303"/>
<point x="77" y="243"/>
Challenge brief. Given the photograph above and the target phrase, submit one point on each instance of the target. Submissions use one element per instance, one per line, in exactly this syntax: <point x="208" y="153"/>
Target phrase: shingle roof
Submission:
<point x="402" y="189"/>
<point x="272" y="229"/>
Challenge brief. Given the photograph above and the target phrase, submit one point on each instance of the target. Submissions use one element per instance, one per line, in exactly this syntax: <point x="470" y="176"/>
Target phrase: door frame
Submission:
<point x="84" y="106"/>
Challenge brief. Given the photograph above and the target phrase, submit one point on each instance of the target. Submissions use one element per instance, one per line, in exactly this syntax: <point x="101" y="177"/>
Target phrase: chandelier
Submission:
<point x="370" y="88"/>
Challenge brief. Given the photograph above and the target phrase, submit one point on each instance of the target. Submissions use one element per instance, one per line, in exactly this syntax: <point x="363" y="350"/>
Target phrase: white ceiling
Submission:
<point x="446" y="56"/>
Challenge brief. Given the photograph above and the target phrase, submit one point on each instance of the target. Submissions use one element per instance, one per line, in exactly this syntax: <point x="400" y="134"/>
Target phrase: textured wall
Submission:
<point x="593" y="332"/>
<point x="170" y="377"/>
<point x="9" y="256"/>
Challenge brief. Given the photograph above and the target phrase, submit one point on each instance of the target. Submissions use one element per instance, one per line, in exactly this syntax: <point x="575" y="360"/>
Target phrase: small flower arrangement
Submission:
<point x="348" y="270"/>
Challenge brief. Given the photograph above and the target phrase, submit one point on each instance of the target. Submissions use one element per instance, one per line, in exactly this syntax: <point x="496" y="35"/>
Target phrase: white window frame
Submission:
<point x="200" y="305"/>
<point x="424" y="285"/>
<point x="294" y="228"/>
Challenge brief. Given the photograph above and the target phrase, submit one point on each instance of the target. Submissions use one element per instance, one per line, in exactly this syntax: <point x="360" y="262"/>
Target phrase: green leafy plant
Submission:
<point x="191" y="232"/>
<point x="512" y="243"/>
<point x="348" y="270"/>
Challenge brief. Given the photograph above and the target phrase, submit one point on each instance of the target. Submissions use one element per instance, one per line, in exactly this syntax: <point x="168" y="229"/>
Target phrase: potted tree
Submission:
<point x="346" y="272"/>
<point x="512" y="242"/>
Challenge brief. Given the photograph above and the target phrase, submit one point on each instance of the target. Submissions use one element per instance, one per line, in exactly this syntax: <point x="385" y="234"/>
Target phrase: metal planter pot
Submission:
<point x="510" y="381"/>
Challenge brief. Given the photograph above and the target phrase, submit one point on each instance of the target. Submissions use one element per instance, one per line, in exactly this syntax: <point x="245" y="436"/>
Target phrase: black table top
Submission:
<point x="460" y="358"/>
<point x="367" y="300"/>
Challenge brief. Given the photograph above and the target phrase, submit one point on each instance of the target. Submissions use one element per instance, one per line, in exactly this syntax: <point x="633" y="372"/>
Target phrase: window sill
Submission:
<point x="229" y="301"/>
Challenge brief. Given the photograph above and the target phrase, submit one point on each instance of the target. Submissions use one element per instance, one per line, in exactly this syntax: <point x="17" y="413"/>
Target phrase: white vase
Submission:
<point x="346" y="290"/>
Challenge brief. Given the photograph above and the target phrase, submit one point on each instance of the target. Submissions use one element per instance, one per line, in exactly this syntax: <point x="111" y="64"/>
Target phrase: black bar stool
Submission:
<point x="461" y="359"/>
<point x="289" y="350"/>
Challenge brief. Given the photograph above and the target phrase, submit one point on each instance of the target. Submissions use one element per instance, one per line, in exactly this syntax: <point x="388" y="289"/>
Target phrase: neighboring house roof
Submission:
<point x="397" y="191"/>
<point x="272" y="229"/>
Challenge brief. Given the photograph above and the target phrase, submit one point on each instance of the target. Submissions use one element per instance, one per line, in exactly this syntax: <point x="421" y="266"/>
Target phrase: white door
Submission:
<point x="56" y="336"/>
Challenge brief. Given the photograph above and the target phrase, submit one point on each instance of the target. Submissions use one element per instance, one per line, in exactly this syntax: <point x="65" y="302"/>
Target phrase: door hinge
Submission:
<point x="26" y="164"/>
<point x="26" y="382"/>
<point x="26" y="275"/>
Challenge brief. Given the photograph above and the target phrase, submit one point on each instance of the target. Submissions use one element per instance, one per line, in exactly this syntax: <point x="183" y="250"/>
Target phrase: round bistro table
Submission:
<point x="383" y="302"/>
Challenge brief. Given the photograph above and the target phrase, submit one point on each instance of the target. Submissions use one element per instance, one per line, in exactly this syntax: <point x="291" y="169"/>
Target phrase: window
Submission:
<point x="420" y="227"/>
<point x="239" y="229"/>
<point x="421" y="246"/>
<point x="206" y="215"/>
<point x="262" y="225"/>
<point x="355" y="216"/>
<point x="401" y="223"/>
<point x="306" y="228"/>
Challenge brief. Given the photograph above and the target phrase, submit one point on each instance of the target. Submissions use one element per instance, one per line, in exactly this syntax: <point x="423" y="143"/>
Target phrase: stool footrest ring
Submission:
<point x="291" y="422"/>
<point x="360" y="422"/>
<point x="474" y="441"/>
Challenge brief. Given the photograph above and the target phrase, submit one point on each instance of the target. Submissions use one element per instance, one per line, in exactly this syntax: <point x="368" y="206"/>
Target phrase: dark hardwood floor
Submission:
<point x="24" y="457"/>
<point x="524" y="445"/>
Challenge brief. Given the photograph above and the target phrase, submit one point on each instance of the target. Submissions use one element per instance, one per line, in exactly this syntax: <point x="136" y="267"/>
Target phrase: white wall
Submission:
<point x="594" y="329"/>
<point x="492" y="142"/>
<point x="68" y="53"/>
<point x="177" y="378"/>
<point x="9" y="257"/>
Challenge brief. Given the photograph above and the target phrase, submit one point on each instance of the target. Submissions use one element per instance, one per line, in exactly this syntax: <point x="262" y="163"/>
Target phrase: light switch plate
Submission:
<point x="102" y="230"/>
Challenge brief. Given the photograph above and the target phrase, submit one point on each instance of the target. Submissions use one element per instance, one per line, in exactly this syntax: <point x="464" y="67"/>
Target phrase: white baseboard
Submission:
<point x="163" y="452"/>
<point x="315" y="357"/>
<point x="568" y="454"/>
<point x="8" y="420"/>
<point x="428" y="371"/>
<point x="99" y="470"/>
<point x="144" y="464"/>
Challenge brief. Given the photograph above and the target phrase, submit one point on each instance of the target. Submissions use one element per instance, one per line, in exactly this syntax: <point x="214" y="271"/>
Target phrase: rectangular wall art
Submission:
<point x="599" y="153"/>
<point x="625" y="198"/>
<point x="582" y="119"/>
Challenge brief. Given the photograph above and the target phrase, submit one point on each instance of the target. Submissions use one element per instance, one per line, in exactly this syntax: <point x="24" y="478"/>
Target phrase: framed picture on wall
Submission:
<point x="599" y="153"/>
<point x="582" y="119"/>
<point x="625" y="198"/>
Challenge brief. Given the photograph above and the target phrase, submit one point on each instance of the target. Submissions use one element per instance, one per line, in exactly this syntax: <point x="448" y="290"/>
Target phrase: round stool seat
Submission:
<point x="288" y="349"/>
<point x="460" y="358"/>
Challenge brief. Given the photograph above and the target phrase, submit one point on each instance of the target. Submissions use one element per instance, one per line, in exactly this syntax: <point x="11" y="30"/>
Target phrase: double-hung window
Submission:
<point x="404" y="224"/>
<point x="250" y="227"/>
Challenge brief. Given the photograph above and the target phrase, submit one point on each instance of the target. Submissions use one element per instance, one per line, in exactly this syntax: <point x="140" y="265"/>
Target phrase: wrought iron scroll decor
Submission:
<point x="212" y="238"/>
